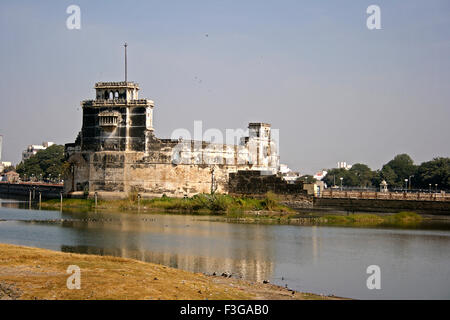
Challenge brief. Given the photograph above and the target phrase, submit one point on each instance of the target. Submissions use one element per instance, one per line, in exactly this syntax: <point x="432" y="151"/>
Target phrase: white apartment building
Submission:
<point x="32" y="149"/>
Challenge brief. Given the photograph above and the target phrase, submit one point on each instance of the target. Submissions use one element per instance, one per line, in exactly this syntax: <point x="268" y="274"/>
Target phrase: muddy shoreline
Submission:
<point x="28" y="273"/>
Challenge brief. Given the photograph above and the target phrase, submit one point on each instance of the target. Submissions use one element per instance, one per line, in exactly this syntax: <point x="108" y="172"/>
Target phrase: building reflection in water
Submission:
<point x="179" y="242"/>
<point x="13" y="203"/>
<point x="314" y="242"/>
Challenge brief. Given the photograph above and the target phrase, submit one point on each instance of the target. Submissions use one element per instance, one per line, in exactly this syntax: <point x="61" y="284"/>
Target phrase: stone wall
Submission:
<point x="171" y="167"/>
<point x="383" y="205"/>
<point x="152" y="175"/>
<point x="256" y="182"/>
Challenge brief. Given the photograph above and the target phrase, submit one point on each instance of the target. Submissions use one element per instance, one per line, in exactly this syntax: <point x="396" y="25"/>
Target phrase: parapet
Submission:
<point x="116" y="85"/>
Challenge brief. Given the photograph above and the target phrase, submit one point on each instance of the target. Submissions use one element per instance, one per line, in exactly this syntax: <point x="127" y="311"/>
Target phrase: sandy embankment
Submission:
<point x="32" y="273"/>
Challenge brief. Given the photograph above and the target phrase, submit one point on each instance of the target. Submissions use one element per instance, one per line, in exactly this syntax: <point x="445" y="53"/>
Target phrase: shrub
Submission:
<point x="270" y="202"/>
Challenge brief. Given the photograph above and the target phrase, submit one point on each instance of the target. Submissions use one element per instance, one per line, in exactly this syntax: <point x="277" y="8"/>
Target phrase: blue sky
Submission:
<point x="335" y="90"/>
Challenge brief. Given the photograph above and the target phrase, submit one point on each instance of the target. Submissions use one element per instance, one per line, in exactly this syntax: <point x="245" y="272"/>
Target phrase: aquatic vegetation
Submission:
<point x="398" y="219"/>
<point x="207" y="203"/>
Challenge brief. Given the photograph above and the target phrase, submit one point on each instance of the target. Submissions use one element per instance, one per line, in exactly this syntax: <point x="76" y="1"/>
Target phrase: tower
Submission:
<point x="117" y="120"/>
<point x="262" y="148"/>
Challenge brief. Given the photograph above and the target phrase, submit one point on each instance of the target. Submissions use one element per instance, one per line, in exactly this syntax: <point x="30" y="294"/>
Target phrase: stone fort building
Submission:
<point x="116" y="152"/>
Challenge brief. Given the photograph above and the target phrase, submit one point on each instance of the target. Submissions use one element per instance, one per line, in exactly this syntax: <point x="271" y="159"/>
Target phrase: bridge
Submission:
<point x="353" y="201"/>
<point x="353" y="194"/>
<point x="47" y="190"/>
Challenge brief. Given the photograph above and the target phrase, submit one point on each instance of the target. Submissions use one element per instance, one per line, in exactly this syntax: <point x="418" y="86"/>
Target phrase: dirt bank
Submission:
<point x="32" y="273"/>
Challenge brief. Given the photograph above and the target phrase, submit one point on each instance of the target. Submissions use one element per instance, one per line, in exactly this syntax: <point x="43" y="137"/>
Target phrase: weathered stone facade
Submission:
<point x="116" y="151"/>
<point x="254" y="183"/>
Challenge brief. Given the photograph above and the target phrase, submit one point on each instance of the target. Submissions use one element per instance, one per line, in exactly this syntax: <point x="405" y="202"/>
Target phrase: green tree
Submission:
<point x="362" y="174"/>
<point x="403" y="167"/>
<point x="436" y="171"/>
<point x="49" y="162"/>
<point x="376" y="178"/>
<point x="349" y="179"/>
<point x="388" y="174"/>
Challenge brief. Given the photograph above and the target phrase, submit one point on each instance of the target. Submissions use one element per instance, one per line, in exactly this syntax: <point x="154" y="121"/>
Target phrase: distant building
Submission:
<point x="3" y="164"/>
<point x="284" y="168"/>
<point x="314" y="189"/>
<point x="291" y="176"/>
<point x="287" y="174"/>
<point x="319" y="175"/>
<point x="343" y="165"/>
<point x="11" y="177"/>
<point x="34" y="148"/>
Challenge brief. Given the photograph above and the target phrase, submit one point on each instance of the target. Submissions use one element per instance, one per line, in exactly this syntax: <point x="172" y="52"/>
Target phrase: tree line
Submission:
<point x="47" y="164"/>
<point x="424" y="176"/>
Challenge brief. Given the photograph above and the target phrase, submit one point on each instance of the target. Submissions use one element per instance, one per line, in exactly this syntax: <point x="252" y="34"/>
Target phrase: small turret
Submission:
<point x="117" y="91"/>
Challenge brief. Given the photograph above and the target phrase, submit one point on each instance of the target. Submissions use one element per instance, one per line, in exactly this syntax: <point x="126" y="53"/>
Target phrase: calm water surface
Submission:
<point x="415" y="264"/>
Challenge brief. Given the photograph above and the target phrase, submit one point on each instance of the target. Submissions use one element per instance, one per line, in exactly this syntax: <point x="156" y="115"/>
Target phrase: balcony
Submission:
<point x="108" y="120"/>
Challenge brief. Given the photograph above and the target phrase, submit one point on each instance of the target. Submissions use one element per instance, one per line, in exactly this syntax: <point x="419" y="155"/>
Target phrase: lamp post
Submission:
<point x="430" y="186"/>
<point x="435" y="188"/>
<point x="406" y="184"/>
<point x="341" y="182"/>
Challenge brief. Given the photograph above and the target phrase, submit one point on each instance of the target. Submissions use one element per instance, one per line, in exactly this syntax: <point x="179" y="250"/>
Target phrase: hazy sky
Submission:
<point x="335" y="90"/>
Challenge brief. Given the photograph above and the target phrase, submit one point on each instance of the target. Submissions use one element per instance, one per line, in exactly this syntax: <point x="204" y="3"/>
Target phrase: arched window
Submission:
<point x="116" y="95"/>
<point x="111" y="95"/>
<point x="106" y="95"/>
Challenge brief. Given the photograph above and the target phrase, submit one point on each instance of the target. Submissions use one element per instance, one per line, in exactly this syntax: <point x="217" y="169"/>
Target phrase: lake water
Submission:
<point x="415" y="264"/>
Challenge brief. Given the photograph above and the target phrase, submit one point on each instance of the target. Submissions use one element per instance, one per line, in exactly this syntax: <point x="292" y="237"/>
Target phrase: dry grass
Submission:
<point x="31" y="273"/>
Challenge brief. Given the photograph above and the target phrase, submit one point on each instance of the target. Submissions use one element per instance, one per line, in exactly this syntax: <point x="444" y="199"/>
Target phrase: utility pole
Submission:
<point x="125" y="45"/>
<point x="412" y="176"/>
<point x="1" y="143"/>
<point x="213" y="181"/>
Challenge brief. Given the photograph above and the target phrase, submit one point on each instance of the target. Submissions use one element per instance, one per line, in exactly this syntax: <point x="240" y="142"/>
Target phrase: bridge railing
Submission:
<point x="27" y="183"/>
<point x="419" y="196"/>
